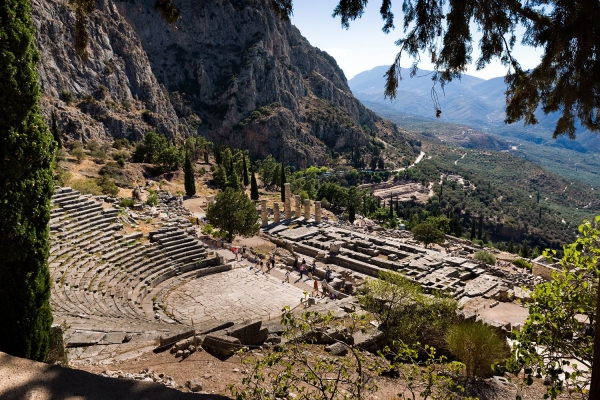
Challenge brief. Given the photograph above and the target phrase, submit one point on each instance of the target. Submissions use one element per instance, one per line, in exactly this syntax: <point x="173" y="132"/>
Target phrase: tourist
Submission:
<point x="316" y="288"/>
<point x="235" y="251"/>
<point x="287" y="276"/>
<point x="296" y="263"/>
<point x="272" y="260"/>
<point x="301" y="269"/>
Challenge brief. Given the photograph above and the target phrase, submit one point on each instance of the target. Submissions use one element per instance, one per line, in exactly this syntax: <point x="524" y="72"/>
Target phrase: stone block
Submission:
<point x="249" y="333"/>
<point x="337" y="349"/>
<point x="173" y="338"/>
<point x="221" y="345"/>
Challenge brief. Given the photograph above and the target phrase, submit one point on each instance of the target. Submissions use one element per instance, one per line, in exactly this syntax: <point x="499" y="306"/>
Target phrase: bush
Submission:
<point x="207" y="229"/>
<point x="67" y="96"/>
<point x="98" y="155"/>
<point x="478" y="346"/>
<point x="152" y="200"/>
<point x="519" y="262"/>
<point x="87" y="186"/>
<point x="147" y="116"/>
<point x="485" y="257"/>
<point x="324" y="203"/>
<point x="78" y="153"/>
<point x="108" y="186"/>
<point x="126" y="203"/>
<point x="92" y="145"/>
<point x="74" y="144"/>
<point x="119" y="144"/>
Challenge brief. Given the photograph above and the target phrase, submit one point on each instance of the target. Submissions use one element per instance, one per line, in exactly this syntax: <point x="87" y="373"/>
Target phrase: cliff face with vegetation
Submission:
<point x="113" y="93"/>
<point x="230" y="70"/>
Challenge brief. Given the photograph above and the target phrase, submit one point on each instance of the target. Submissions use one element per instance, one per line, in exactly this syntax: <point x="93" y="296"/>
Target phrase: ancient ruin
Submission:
<point x="119" y="288"/>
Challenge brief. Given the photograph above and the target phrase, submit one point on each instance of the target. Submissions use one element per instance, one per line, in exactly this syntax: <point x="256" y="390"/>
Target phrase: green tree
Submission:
<point x="404" y="312"/>
<point x="253" y="187"/>
<point x="480" y="227"/>
<point x="562" y="329"/>
<point x="245" y="177"/>
<point x="234" y="213"/>
<point x="26" y="148"/>
<point x="56" y="133"/>
<point x="427" y="233"/>
<point x="294" y="368"/>
<point x="485" y="257"/>
<point x="478" y="346"/>
<point x="353" y="203"/>
<point x="189" y="181"/>
<point x="283" y="182"/>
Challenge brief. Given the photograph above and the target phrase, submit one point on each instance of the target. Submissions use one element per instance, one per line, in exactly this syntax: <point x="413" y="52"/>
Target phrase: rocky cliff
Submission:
<point x="113" y="93"/>
<point x="230" y="70"/>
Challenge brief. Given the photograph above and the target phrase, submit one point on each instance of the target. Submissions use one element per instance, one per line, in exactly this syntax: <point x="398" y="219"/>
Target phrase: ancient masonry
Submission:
<point x="288" y="201"/>
<point x="367" y="253"/>
<point x="109" y="280"/>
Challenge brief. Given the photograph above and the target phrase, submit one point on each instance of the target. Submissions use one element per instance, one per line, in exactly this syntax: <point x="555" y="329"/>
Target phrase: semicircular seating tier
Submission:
<point x="105" y="277"/>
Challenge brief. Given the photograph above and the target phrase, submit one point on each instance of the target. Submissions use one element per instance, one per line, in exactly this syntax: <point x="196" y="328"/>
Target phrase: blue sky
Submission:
<point x="364" y="46"/>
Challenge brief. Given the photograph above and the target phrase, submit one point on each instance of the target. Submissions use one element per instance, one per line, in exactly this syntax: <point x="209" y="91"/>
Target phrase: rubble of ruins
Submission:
<point x="115" y="286"/>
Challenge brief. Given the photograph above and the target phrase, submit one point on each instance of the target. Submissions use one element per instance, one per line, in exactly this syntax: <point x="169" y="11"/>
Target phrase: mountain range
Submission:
<point x="471" y="101"/>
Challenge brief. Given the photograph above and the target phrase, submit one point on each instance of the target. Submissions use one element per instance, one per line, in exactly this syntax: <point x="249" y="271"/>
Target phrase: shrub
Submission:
<point x="126" y="203"/>
<point x="119" y="144"/>
<point x="255" y="115"/>
<point x="207" y="229"/>
<point x="201" y="171"/>
<point x="74" y="144"/>
<point x="519" y="262"/>
<point x="324" y="203"/>
<point x="147" y="116"/>
<point x="485" y="257"/>
<point x="87" y="186"/>
<point x="152" y="200"/>
<point x="108" y="186"/>
<point x="67" y="96"/>
<point x="478" y="346"/>
<point x="78" y="153"/>
<point x="92" y="145"/>
<point x="98" y="155"/>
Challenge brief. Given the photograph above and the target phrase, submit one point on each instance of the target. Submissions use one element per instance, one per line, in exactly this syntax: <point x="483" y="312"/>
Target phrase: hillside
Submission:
<point x="231" y="71"/>
<point x="472" y="101"/>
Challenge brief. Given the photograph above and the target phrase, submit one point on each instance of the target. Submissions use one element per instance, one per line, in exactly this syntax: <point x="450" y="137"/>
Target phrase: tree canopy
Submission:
<point x="566" y="80"/>
<point x="234" y="213"/>
<point x="557" y="340"/>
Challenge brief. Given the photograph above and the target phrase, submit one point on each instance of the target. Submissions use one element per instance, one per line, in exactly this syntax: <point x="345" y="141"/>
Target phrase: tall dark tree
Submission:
<point x="253" y="187"/>
<point x="189" y="180"/>
<point x="26" y="147"/>
<point x="380" y="164"/>
<point x="511" y="246"/>
<point x="56" y="133"/>
<point x="245" y="178"/>
<point x="283" y="182"/>
<point x="480" y="227"/>
<point x="472" y="228"/>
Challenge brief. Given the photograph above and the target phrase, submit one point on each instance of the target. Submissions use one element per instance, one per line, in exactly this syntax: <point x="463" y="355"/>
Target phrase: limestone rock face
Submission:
<point x="114" y="92"/>
<point x="230" y="70"/>
<point x="254" y="80"/>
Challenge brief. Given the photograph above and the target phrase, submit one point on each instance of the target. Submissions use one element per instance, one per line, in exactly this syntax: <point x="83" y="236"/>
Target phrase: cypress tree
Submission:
<point x="245" y="172"/>
<point x="56" y="131"/>
<point x="472" y="229"/>
<point x="282" y="183"/>
<point x="189" y="181"/>
<point x="26" y="147"/>
<point x="480" y="230"/>
<point x="253" y="187"/>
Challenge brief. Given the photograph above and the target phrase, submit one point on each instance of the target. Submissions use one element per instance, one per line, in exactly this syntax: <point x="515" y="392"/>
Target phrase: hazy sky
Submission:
<point x="364" y="46"/>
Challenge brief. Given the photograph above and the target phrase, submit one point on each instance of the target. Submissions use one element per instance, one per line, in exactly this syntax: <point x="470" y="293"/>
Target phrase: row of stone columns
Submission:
<point x="288" y="208"/>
